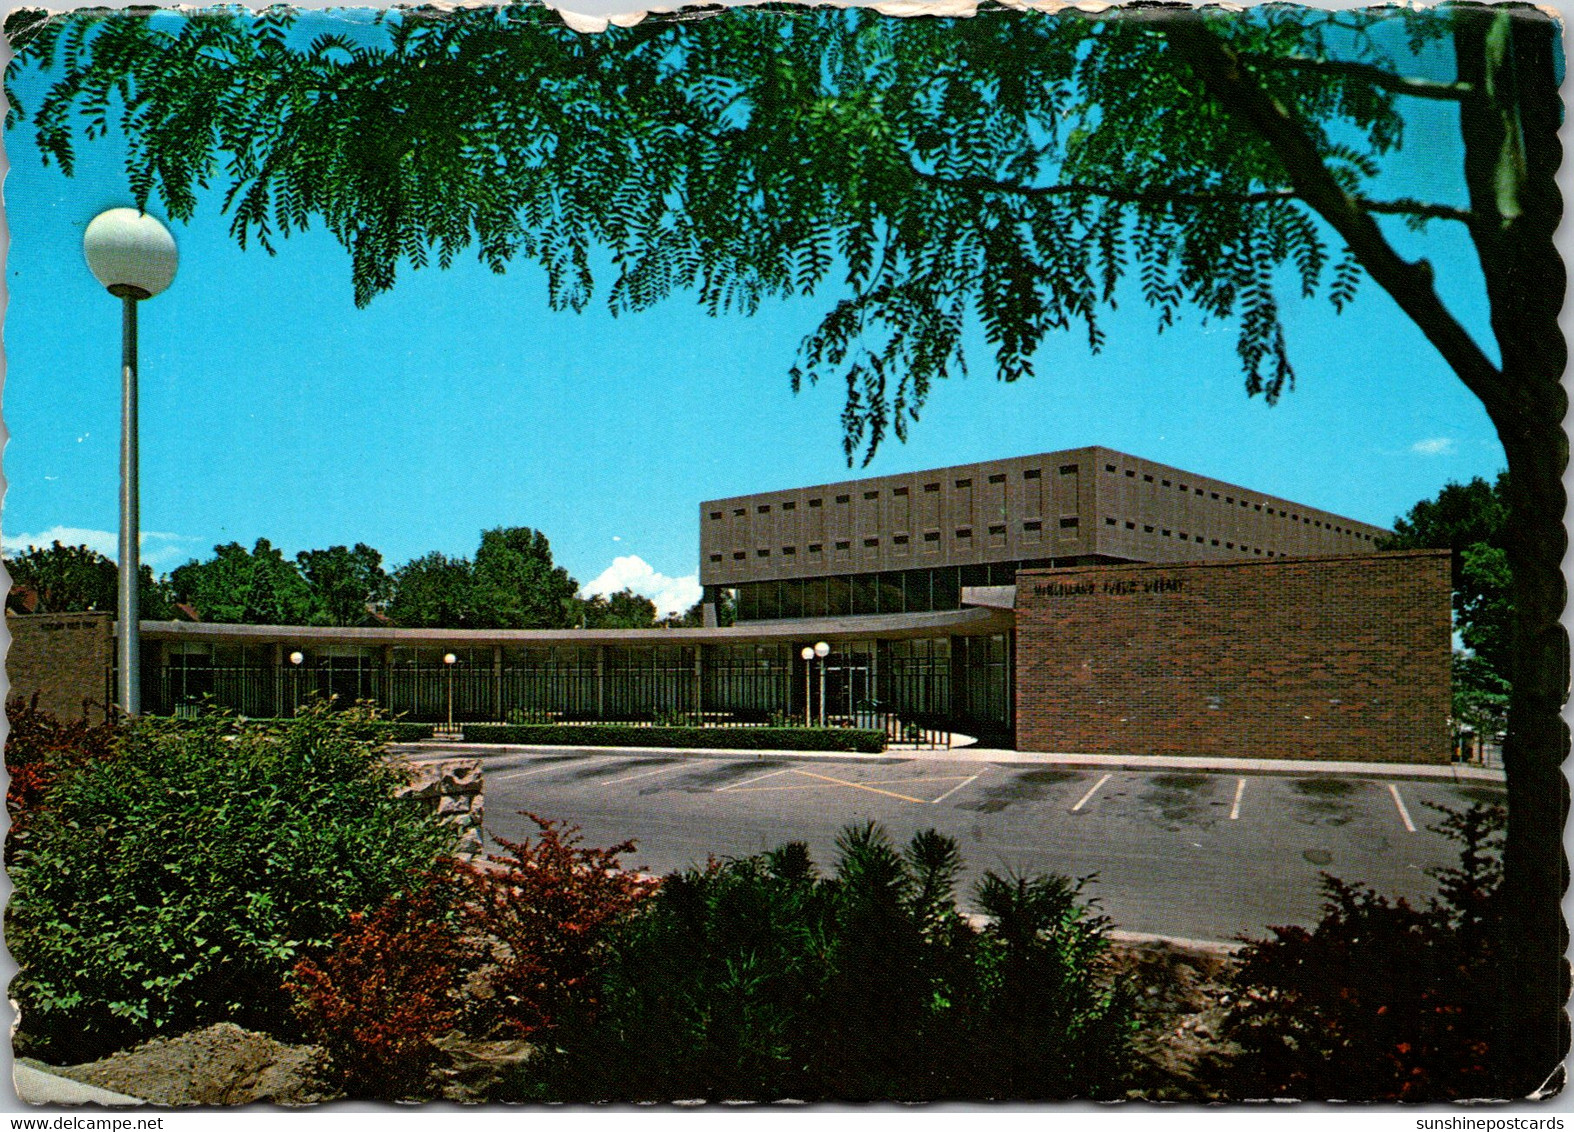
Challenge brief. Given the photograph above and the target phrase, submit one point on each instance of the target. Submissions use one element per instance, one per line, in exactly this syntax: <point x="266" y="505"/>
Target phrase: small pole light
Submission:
<point x="450" y="660"/>
<point x="822" y="650"/>
<point x="808" y="688"/>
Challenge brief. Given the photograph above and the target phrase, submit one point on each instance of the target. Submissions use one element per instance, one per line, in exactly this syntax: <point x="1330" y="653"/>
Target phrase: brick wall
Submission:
<point x="64" y="657"/>
<point x="1308" y="658"/>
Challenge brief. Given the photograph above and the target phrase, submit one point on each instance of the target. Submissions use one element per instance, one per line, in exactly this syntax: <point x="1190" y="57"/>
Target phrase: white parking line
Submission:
<point x="646" y="774"/>
<point x="951" y="791"/>
<point x="563" y="764"/>
<point x="1235" y="810"/>
<point x="1403" y="813"/>
<point x="750" y="781"/>
<point x="1089" y="795"/>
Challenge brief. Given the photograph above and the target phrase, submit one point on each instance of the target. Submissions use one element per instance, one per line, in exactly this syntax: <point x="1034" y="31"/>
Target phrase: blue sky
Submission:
<point x="272" y="407"/>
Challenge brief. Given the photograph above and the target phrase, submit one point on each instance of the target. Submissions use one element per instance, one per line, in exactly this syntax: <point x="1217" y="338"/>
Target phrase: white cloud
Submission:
<point x="1435" y="446"/>
<point x="631" y="572"/>
<point x="159" y="548"/>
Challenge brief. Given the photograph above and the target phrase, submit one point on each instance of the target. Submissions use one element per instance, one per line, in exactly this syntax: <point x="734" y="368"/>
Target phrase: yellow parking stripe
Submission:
<point x="861" y="786"/>
<point x="871" y="785"/>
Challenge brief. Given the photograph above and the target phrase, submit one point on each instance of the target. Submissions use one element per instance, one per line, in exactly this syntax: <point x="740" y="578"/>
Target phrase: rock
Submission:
<point x="473" y="1070"/>
<point x="220" y="1065"/>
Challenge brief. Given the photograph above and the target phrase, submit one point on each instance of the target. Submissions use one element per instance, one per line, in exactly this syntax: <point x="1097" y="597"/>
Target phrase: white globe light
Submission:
<point x="130" y="253"/>
<point x="822" y="650"/>
<point x="449" y="658"/>
<point x="807" y="653"/>
<point x="297" y="657"/>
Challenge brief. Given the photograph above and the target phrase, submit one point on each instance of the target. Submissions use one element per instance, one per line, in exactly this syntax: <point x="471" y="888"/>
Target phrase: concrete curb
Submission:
<point x="1302" y="768"/>
<point x="1216" y="946"/>
<point x="39" y="1086"/>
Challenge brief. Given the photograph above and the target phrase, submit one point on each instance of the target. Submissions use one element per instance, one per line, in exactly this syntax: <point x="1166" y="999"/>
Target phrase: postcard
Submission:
<point x="801" y="553"/>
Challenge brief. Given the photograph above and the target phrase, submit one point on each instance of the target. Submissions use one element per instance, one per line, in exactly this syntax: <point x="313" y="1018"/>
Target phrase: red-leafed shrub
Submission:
<point x="508" y="950"/>
<point x="41" y="748"/>
<point x="1381" y="1001"/>
<point x="391" y="986"/>
<point x="549" y="906"/>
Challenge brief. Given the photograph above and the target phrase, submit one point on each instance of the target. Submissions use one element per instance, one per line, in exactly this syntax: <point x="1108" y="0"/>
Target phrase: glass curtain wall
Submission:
<point x="936" y="589"/>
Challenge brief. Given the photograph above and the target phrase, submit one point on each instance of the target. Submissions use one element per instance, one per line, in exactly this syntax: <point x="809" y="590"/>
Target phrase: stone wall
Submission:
<point x="451" y="789"/>
<point x="1313" y="658"/>
<point x="64" y="659"/>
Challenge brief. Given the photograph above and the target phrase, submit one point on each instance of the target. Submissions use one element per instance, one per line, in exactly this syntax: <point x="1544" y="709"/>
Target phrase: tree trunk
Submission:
<point x="1509" y="126"/>
<point x="1533" y="1030"/>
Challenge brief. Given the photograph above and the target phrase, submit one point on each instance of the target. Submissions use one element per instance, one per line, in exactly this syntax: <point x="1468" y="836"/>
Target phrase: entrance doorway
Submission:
<point x="848" y="685"/>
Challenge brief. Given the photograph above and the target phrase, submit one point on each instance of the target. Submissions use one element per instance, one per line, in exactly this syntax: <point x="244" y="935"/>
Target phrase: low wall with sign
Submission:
<point x="1312" y="658"/>
<point x="64" y="659"/>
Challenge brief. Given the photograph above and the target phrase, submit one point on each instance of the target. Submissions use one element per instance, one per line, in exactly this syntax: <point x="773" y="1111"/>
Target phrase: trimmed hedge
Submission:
<point x="369" y="730"/>
<point x="707" y="738"/>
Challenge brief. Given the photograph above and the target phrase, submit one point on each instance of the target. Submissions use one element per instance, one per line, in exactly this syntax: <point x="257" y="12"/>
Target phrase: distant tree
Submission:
<point x="434" y="592"/>
<point x="517" y="586"/>
<point x="72" y="579"/>
<point x="344" y="582"/>
<point x="694" y="616"/>
<point x="1480" y="695"/>
<point x="691" y="618"/>
<point x="256" y="587"/>
<point x="65" y="578"/>
<point x="622" y="610"/>
<point x="1472" y="521"/>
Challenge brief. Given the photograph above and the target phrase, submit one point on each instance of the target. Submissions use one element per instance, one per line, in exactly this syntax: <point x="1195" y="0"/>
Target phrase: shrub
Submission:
<point x="548" y="907"/>
<point x="526" y="937"/>
<point x="40" y="750"/>
<point x="1051" y="1022"/>
<point x="1380" y="1001"/>
<point x="391" y="986"/>
<point x="360" y="722"/>
<point x="701" y="738"/>
<point x="520" y="715"/>
<point x="760" y="979"/>
<point x="175" y="885"/>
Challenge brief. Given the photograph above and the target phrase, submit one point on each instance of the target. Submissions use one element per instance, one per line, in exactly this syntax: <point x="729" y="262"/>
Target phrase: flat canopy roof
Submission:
<point x="896" y="626"/>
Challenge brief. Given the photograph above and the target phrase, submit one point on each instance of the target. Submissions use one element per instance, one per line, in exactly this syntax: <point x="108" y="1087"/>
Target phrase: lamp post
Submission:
<point x="450" y="660"/>
<point x="808" y="689"/>
<point x="297" y="658"/>
<point x="822" y="650"/>
<point x="134" y="257"/>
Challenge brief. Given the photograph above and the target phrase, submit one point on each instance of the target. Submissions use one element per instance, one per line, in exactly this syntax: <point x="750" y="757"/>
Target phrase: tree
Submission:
<point x="72" y="579"/>
<point x="345" y="583"/>
<point x="256" y="587"/>
<point x="516" y="584"/>
<point x="1471" y="520"/>
<point x="511" y="584"/>
<point x="694" y="616"/>
<point x="1009" y="169"/>
<point x="1481" y="695"/>
<point x="622" y="610"/>
<point x="434" y="592"/>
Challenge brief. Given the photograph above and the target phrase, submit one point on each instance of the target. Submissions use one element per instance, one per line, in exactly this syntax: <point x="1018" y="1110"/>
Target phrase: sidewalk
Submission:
<point x="39" y="1086"/>
<point x="1292" y="768"/>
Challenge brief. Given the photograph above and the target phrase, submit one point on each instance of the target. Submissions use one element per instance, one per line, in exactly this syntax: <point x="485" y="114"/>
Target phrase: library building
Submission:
<point x="1082" y="601"/>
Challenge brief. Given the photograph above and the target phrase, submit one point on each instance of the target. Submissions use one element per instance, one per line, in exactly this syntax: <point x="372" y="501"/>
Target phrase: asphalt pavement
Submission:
<point x="1208" y="853"/>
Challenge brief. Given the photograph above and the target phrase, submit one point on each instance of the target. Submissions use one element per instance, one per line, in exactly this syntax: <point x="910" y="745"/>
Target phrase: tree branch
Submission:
<point x="1410" y="284"/>
<point x="1362" y="72"/>
<point x="1161" y="194"/>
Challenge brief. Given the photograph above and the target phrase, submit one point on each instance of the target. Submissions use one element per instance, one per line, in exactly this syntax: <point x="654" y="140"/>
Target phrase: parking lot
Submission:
<point x="1199" y="855"/>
